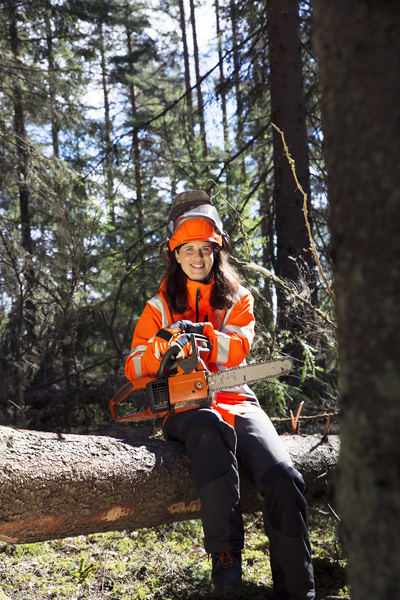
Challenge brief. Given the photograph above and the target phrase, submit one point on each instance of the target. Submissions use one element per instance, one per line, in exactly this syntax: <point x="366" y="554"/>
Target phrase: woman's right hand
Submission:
<point x="170" y="336"/>
<point x="161" y="341"/>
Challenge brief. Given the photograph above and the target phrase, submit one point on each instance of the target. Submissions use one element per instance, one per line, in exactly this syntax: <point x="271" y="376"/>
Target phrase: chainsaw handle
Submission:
<point x="127" y="389"/>
<point x="175" y="349"/>
<point x="170" y="354"/>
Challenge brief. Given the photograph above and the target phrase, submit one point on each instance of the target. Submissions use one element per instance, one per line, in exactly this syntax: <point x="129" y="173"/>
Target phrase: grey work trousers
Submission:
<point x="214" y="448"/>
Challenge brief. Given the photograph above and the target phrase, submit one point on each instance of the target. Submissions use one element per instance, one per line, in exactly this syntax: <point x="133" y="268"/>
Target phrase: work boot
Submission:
<point x="227" y="570"/>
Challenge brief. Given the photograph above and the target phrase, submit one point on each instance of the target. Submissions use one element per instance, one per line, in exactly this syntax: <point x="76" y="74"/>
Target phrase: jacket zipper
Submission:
<point x="197" y="304"/>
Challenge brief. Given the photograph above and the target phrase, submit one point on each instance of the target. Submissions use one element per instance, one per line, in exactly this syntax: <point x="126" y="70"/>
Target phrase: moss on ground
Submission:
<point x="166" y="562"/>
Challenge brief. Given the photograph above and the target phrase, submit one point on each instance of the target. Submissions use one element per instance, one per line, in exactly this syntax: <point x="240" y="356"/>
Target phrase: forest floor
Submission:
<point x="166" y="562"/>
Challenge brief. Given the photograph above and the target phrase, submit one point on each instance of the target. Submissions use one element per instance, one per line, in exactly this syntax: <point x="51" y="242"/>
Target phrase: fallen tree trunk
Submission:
<point x="54" y="485"/>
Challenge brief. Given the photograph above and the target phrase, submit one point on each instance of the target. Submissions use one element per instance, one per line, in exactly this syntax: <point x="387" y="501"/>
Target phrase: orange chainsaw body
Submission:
<point x="171" y="394"/>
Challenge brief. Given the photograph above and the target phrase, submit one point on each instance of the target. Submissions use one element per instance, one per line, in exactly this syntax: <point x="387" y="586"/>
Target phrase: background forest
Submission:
<point x="108" y="109"/>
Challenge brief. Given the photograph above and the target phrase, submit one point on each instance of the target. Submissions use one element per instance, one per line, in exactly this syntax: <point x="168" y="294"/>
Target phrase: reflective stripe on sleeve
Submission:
<point x="157" y="303"/>
<point x="240" y="331"/>
<point x="140" y="349"/>
<point x="239" y="295"/>
<point x="223" y="348"/>
<point x="136" y="355"/>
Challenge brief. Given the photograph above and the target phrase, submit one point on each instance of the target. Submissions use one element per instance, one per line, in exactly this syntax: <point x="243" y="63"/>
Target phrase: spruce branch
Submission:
<point x="290" y="291"/>
<point x="240" y="222"/>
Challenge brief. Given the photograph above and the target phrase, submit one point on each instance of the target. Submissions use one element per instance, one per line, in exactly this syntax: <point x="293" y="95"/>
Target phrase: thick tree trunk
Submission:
<point x="27" y="310"/>
<point x="358" y="47"/>
<point x="55" y="485"/>
<point x="288" y="112"/>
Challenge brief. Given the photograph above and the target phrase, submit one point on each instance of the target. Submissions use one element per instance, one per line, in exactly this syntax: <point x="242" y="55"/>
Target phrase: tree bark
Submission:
<point x="358" y="47"/>
<point x="55" y="128"/>
<point x="137" y="150"/>
<point x="238" y="85"/>
<point x="108" y="166"/>
<point x="56" y="485"/>
<point x="27" y="309"/>
<point x="20" y="141"/>
<point x="222" y="94"/>
<point x="288" y="112"/>
<point x="189" y="100"/>
<point x="200" y="103"/>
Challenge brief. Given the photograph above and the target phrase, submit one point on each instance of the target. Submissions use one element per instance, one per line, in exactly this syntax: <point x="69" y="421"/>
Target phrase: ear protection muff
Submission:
<point x="164" y="252"/>
<point x="226" y="241"/>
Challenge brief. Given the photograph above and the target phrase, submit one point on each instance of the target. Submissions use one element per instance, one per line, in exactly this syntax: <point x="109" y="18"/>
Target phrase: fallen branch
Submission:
<point x="54" y="486"/>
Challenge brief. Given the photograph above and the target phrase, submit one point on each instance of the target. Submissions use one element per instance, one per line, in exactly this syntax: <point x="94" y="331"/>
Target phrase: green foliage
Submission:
<point x="106" y="138"/>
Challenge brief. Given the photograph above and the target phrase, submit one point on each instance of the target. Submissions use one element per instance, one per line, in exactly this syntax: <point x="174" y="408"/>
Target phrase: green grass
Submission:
<point x="152" y="564"/>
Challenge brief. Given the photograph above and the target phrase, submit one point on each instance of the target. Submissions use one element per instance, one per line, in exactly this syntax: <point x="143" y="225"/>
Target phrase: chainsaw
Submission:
<point x="186" y="383"/>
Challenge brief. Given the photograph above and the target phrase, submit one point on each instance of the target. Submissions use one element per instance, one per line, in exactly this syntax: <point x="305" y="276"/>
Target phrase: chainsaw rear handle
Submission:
<point x="127" y="389"/>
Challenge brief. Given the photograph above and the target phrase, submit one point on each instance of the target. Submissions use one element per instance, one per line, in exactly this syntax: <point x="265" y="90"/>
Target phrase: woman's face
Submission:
<point x="196" y="259"/>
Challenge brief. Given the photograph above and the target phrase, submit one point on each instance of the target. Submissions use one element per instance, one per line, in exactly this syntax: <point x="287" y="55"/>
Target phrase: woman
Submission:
<point x="202" y="293"/>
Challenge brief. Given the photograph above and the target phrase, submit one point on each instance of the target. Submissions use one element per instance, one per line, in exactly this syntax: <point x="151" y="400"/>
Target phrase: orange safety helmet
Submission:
<point x="193" y="230"/>
<point x="193" y="218"/>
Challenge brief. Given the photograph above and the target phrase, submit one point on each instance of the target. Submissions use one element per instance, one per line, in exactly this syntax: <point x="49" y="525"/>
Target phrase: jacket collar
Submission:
<point x="205" y="288"/>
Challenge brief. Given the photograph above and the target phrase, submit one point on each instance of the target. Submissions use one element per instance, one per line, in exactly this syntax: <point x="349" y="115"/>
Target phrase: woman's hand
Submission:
<point x="171" y="336"/>
<point x="206" y="329"/>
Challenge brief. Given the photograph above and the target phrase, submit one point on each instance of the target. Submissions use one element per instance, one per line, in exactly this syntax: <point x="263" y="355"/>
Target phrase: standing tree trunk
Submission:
<point x="358" y="47"/>
<point x="288" y="112"/>
<point x="135" y="141"/>
<point x="200" y="103"/>
<point x="26" y="309"/>
<point x="55" y="128"/>
<point x="238" y="85"/>
<point x="222" y="95"/>
<point x="107" y="129"/>
<point x="20" y="142"/>
<point x="189" y="99"/>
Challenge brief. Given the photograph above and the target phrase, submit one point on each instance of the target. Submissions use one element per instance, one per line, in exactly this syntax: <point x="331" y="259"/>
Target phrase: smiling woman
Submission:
<point x="196" y="259"/>
<point x="202" y="294"/>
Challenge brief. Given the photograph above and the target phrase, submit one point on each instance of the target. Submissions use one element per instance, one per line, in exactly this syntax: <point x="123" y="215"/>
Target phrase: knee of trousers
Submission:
<point x="284" y="503"/>
<point x="211" y="446"/>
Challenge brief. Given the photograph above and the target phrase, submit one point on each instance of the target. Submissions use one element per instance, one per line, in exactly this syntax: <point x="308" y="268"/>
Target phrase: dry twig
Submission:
<point x="299" y="187"/>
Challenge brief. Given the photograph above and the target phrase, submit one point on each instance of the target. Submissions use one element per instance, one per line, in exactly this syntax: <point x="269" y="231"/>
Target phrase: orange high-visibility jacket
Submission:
<point x="231" y="341"/>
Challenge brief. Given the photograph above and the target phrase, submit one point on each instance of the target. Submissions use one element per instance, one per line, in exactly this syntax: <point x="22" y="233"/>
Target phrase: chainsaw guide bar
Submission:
<point x="248" y="374"/>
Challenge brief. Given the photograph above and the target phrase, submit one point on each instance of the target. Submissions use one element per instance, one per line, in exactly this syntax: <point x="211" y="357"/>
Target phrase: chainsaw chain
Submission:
<point x="284" y="372"/>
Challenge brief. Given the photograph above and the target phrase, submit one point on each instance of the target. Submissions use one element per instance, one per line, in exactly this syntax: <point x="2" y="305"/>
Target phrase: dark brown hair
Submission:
<point x="225" y="285"/>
